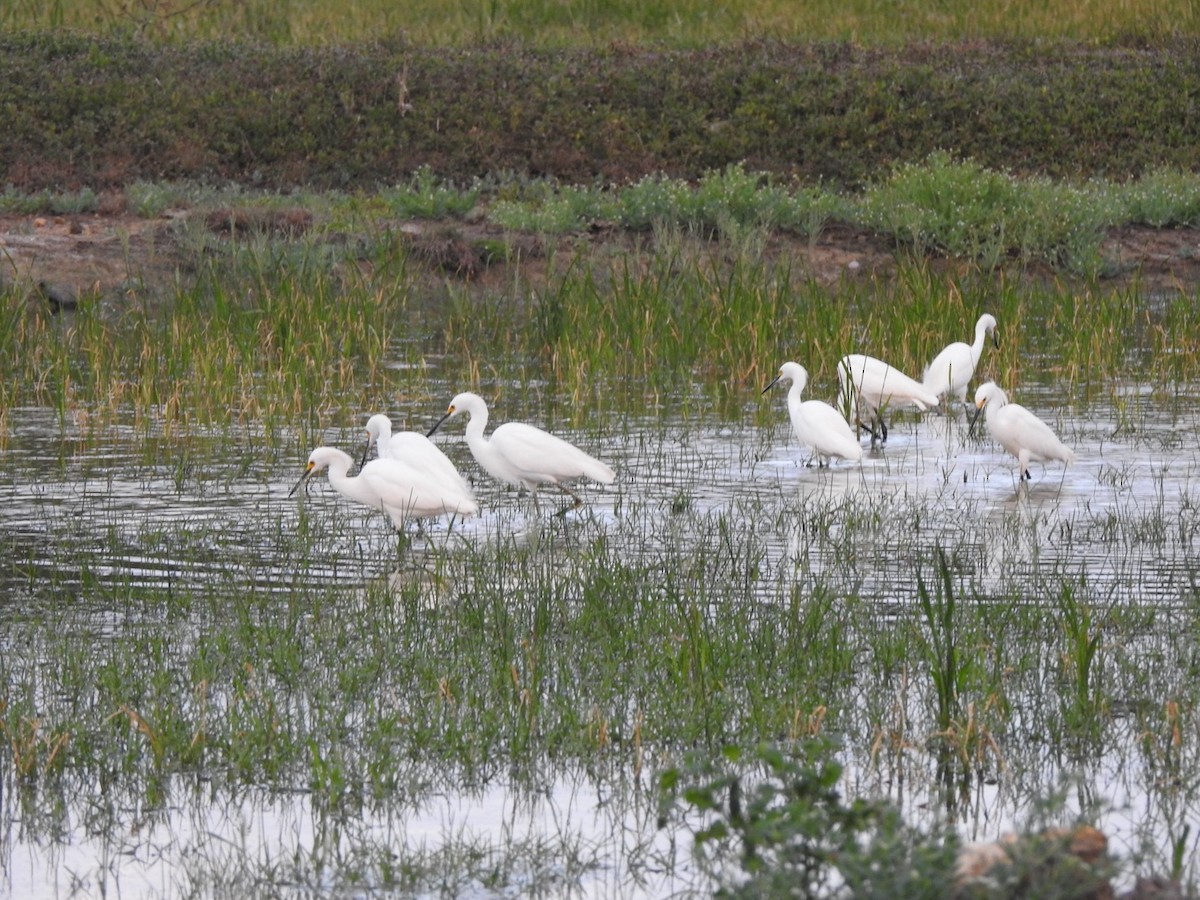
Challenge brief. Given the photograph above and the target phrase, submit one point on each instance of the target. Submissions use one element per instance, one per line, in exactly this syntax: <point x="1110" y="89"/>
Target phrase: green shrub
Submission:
<point x="961" y="208"/>
<point x="1164" y="197"/>
<point x="777" y="826"/>
<point x="426" y="196"/>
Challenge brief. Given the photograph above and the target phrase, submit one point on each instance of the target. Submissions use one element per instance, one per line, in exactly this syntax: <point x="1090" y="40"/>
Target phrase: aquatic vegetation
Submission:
<point x="778" y="824"/>
<point x="180" y="630"/>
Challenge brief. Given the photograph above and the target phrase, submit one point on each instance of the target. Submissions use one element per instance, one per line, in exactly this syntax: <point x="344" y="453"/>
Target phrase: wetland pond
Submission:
<point x="214" y="689"/>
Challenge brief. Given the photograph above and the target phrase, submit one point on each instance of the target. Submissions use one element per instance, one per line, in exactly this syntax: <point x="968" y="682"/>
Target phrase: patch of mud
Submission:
<point x="82" y="255"/>
<point x="105" y="254"/>
<point x="1160" y="259"/>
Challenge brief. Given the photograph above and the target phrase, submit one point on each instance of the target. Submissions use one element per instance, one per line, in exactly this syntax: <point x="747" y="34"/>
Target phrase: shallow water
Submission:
<point x="227" y="848"/>
<point x="90" y="526"/>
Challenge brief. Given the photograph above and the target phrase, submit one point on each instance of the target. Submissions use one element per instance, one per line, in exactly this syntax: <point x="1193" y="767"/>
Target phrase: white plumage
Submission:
<point x="952" y="369"/>
<point x="524" y="455"/>
<point x="873" y="386"/>
<point x="1018" y="430"/>
<point x="414" y="449"/>
<point x="388" y="485"/>
<point x="817" y="425"/>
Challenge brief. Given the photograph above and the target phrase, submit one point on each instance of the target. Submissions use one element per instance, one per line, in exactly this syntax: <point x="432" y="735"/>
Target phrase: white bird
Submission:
<point x="389" y="485"/>
<point x="1018" y="430"/>
<point x="415" y="449"/>
<point x="952" y="369"/>
<point x="523" y="455"/>
<point x="817" y="425"/>
<point x="875" y="386"/>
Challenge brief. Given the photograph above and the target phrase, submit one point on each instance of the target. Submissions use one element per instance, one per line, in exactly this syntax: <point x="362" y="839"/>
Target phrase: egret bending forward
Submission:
<point x="413" y="449"/>
<point x="1018" y="430"/>
<point x="952" y="369"/>
<point x="388" y="485"/>
<point x="523" y="455"/>
<point x="872" y="384"/>
<point x="817" y="425"/>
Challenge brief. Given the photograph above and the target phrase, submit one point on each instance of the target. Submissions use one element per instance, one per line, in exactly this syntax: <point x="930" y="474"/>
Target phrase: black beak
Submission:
<point x="367" y="449"/>
<point x="995" y="340"/>
<point x="774" y="382"/>
<point x="438" y="423"/>
<point x="303" y="478"/>
<point x="975" y="418"/>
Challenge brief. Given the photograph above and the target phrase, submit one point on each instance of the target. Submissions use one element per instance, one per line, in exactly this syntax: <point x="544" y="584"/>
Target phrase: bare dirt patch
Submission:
<point x="103" y="254"/>
<point x="86" y="254"/>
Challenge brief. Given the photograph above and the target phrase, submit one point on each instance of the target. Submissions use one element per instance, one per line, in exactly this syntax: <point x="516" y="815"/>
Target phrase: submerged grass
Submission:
<point x="615" y="646"/>
<point x="243" y="644"/>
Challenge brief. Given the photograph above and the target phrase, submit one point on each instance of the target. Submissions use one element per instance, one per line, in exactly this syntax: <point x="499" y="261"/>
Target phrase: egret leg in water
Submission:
<point x="388" y="485"/>
<point x="817" y="425"/>
<point x="524" y="455"/>
<point x="872" y="386"/>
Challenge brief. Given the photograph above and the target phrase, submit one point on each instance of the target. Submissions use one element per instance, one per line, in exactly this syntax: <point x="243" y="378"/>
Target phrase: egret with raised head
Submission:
<point x="952" y="369"/>
<point x="524" y="455"/>
<point x="817" y="425"/>
<point x="413" y="449"/>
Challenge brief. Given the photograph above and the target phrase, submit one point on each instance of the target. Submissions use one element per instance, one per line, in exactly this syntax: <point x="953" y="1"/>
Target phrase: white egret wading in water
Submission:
<point x="817" y="424"/>
<point x="1018" y="430"/>
<point x="952" y="369"/>
<point x="873" y="386"/>
<point x="392" y="487"/>
<point x="413" y="449"/>
<point x="524" y="455"/>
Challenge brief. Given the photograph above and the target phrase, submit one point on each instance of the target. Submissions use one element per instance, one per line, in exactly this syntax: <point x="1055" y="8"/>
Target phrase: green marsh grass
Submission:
<point x="965" y="211"/>
<point x="570" y="24"/>
<point x="53" y="202"/>
<point x="248" y="643"/>
<point x="308" y="325"/>
<point x="618" y="647"/>
<point x="940" y="205"/>
<point x="1082" y="659"/>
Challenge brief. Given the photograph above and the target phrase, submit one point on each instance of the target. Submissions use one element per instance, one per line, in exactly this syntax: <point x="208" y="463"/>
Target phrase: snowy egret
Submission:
<point x="952" y="369"/>
<point x="388" y="485"/>
<point x="817" y="424"/>
<point x="875" y="385"/>
<point x="413" y="448"/>
<point x="524" y="455"/>
<point x="1018" y="430"/>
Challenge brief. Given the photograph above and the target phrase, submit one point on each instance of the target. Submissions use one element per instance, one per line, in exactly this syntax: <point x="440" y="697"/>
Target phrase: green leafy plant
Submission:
<point x="775" y="824"/>
<point x="430" y="197"/>
<point x="962" y="208"/>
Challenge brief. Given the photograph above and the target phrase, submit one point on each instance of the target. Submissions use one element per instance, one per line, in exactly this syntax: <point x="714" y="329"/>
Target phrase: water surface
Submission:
<point x="96" y="532"/>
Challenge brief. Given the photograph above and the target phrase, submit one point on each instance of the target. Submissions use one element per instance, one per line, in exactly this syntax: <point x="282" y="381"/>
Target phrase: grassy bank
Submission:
<point x="264" y="325"/>
<point x="103" y="113"/>
<point x="576" y="22"/>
